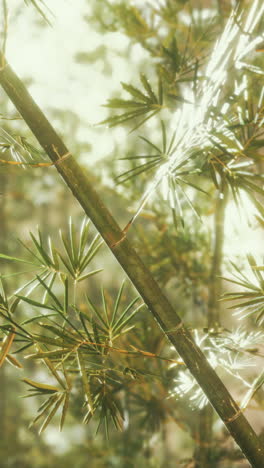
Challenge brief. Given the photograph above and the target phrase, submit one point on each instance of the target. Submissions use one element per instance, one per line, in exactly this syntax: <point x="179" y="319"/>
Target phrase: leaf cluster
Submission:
<point x="142" y="103"/>
<point x="250" y="299"/>
<point x="74" y="342"/>
<point x="231" y="353"/>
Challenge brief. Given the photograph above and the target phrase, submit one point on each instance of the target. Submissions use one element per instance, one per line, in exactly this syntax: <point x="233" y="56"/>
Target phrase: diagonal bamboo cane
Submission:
<point x="170" y="323"/>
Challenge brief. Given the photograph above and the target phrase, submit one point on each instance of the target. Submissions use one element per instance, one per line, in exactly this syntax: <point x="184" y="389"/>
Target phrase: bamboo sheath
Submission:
<point x="158" y="305"/>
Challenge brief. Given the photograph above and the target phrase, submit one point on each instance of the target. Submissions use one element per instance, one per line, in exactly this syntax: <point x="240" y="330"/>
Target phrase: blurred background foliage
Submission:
<point x="110" y="366"/>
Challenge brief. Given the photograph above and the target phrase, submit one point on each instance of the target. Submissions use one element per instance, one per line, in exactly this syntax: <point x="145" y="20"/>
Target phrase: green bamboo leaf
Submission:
<point x="190" y="203"/>
<point x="123" y="104"/>
<point x="122" y="118"/>
<point x="71" y="324"/>
<point x="123" y="331"/>
<point x="253" y="264"/>
<point x="236" y="196"/>
<point x="15" y="259"/>
<point x="14" y="305"/>
<point x="257" y="384"/>
<point x="96" y="336"/>
<point x="43" y="254"/>
<point x="91" y="252"/>
<point x="54" y="372"/>
<point x="58" y="353"/>
<point x="73" y="242"/>
<point x="196" y="187"/>
<point x="135" y="92"/>
<point x="213" y="175"/>
<point x="67" y="378"/>
<point x="148" y="88"/>
<point x="23" y="348"/>
<point x="66" y="293"/>
<point x="258" y="300"/>
<point x="170" y="150"/>
<point x="34" y="303"/>
<point x="160" y="92"/>
<point x="260" y="317"/>
<point x="97" y="313"/>
<point x="123" y="323"/>
<point x="53" y="255"/>
<point x="31" y="395"/>
<point x="67" y="265"/>
<point x="235" y="296"/>
<point x="67" y="249"/>
<point x="66" y="335"/>
<point x="85" y="328"/>
<point x="52" y="414"/>
<point x="48" y="340"/>
<point x="248" y="312"/>
<point x="51" y="294"/>
<point x="117" y="302"/>
<point x="143" y="156"/>
<point x="164" y="138"/>
<point x="120" y="319"/>
<point x="179" y="98"/>
<point x="41" y="387"/>
<point x="64" y="409"/>
<point x="33" y="283"/>
<point x="13" y="361"/>
<point x="240" y="273"/>
<point x="43" y="409"/>
<point x="257" y="204"/>
<point x="52" y="398"/>
<point x="252" y="186"/>
<point x="239" y="283"/>
<point x="151" y="144"/>
<point x="91" y="273"/>
<point x="131" y="173"/>
<point x="145" y="120"/>
<point x="105" y="308"/>
<point x="228" y="140"/>
<point x="84" y="232"/>
<point x="125" y="117"/>
<point x="51" y="281"/>
<point x="86" y="384"/>
<point x="176" y="204"/>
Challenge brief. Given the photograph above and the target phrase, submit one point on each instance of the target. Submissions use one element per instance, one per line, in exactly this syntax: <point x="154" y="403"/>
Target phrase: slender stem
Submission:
<point x="158" y="304"/>
<point x="203" y="454"/>
<point x="218" y="242"/>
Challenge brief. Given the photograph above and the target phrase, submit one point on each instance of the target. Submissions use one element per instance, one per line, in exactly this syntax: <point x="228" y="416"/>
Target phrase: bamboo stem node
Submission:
<point x="175" y="329"/>
<point x="235" y="416"/>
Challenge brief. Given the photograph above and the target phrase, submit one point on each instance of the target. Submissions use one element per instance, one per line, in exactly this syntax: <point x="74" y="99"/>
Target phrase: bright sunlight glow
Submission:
<point x="200" y="120"/>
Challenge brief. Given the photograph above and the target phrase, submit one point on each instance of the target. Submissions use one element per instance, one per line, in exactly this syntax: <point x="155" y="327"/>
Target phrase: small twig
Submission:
<point x="125" y="351"/>
<point x="124" y="232"/>
<point x="39" y="164"/>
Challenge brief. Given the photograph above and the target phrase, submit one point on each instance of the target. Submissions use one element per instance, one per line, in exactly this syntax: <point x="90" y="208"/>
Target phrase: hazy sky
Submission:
<point x="47" y="55"/>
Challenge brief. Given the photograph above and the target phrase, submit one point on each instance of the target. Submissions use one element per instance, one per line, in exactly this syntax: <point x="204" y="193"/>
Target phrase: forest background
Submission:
<point x="71" y="68"/>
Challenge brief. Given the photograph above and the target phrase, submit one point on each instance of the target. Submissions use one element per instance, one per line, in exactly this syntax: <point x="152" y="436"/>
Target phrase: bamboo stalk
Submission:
<point x="171" y="324"/>
<point x="218" y="242"/>
<point x="203" y="455"/>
